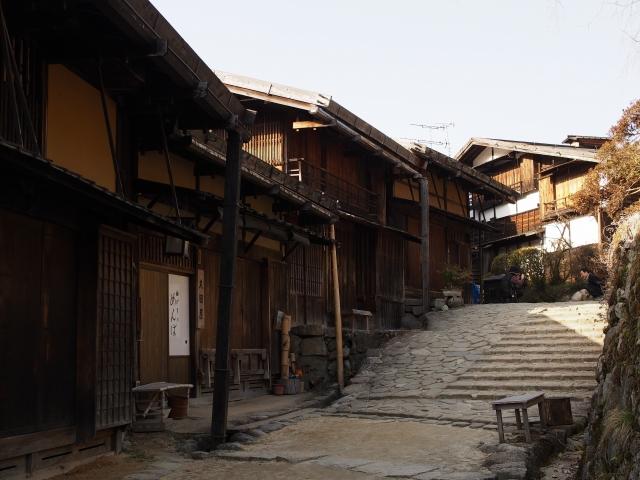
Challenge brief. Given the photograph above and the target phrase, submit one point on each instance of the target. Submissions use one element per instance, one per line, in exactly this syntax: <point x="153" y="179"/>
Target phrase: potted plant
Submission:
<point x="455" y="278"/>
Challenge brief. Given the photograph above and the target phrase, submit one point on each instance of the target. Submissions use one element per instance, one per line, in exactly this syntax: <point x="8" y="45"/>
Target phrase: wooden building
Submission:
<point x="452" y="228"/>
<point x="376" y="184"/>
<point x="108" y="211"/>
<point x="545" y="177"/>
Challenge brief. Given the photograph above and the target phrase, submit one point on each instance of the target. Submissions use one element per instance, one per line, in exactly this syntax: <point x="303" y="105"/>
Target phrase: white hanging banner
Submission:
<point x="178" y="315"/>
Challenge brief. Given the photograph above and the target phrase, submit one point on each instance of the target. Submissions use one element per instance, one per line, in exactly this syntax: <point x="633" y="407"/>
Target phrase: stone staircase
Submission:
<point x="553" y="350"/>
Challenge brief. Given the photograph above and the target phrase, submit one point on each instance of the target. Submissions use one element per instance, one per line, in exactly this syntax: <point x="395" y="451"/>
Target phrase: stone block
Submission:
<point x="456" y="301"/>
<point x="313" y="346"/>
<point x="315" y="370"/>
<point x="410" y="322"/>
<point x="438" y="303"/>
<point x="313" y="330"/>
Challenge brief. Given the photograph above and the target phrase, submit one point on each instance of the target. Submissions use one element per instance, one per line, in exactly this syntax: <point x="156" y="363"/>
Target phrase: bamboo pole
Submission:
<point x="286" y="346"/>
<point x="336" y="307"/>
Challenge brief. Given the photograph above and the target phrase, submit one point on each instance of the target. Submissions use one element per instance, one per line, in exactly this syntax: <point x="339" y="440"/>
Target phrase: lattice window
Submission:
<point x="306" y="267"/>
<point x="115" y="329"/>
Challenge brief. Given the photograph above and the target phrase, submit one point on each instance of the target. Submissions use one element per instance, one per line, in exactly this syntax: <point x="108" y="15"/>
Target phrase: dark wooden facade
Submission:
<point x="378" y="234"/>
<point x="83" y="265"/>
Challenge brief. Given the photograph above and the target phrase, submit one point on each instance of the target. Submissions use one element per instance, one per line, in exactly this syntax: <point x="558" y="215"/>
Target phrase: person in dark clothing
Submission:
<point x="513" y="283"/>
<point x="594" y="284"/>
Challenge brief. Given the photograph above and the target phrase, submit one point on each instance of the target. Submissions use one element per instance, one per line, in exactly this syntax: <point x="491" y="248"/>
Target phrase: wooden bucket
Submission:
<point x="179" y="406"/>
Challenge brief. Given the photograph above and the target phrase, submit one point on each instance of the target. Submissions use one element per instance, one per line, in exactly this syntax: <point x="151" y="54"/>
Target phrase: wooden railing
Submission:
<point x="351" y="197"/>
<point x="558" y="206"/>
<point x="524" y="186"/>
<point x="515" y="224"/>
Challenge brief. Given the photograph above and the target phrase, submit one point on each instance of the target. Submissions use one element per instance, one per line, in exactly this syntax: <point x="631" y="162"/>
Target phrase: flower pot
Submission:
<point x="278" y="389"/>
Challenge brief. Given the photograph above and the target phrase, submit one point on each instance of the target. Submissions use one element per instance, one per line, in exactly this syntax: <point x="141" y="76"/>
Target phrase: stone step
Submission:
<point x="566" y="343"/>
<point x="551" y="323"/>
<point x="500" y="349"/>
<point x="544" y="337"/>
<point x="495" y="395"/>
<point x="558" y="358"/>
<point x="506" y="375"/>
<point x="524" y="385"/>
<point x="588" y="334"/>
<point x="535" y="367"/>
<point x="566" y="323"/>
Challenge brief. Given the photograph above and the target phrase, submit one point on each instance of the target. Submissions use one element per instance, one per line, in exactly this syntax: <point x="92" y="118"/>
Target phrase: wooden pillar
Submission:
<point x="227" y="284"/>
<point x="424" y="240"/>
<point x="336" y="307"/>
<point x="481" y="253"/>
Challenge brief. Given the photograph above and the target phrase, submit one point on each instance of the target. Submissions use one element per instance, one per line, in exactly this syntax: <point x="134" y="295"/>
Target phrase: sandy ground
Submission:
<point x="322" y="447"/>
<point x="393" y="441"/>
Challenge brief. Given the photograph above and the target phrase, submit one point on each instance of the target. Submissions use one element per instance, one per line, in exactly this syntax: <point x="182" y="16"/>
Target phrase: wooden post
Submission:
<point x="336" y="307"/>
<point x="424" y="241"/>
<point x="481" y="253"/>
<point x="285" y="343"/>
<point x="227" y="283"/>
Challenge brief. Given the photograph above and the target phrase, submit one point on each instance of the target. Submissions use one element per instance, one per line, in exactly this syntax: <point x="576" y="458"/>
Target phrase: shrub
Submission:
<point x="455" y="276"/>
<point x="529" y="259"/>
<point x="549" y="293"/>
<point x="500" y="263"/>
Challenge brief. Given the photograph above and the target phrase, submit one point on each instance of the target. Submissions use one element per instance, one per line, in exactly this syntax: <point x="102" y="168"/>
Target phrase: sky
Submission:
<point x="533" y="70"/>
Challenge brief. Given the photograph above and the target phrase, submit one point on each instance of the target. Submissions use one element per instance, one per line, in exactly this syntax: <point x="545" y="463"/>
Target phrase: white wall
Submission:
<point x="530" y="201"/>
<point x="580" y="231"/>
<point x="489" y="154"/>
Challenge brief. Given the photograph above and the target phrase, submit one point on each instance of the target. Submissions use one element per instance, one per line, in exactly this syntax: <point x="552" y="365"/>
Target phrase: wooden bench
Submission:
<point x="149" y="405"/>
<point x="357" y="315"/>
<point x="249" y="371"/>
<point x="520" y="403"/>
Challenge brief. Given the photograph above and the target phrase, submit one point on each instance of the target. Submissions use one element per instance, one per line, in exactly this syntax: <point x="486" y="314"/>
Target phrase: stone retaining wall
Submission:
<point x="315" y="349"/>
<point x="612" y="441"/>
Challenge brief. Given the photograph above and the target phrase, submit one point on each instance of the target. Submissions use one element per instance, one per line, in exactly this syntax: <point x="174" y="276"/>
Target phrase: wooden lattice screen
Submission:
<point x="306" y="267"/>
<point x="115" y="328"/>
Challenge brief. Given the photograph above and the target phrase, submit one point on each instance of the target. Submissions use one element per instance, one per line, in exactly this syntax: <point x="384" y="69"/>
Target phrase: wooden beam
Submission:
<point x="289" y="251"/>
<point x="32" y="442"/>
<point x="311" y="124"/>
<point x="252" y="241"/>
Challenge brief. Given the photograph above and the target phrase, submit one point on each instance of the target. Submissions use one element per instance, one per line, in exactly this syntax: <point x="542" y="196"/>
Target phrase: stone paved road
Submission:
<point x="419" y="409"/>
<point x="469" y="356"/>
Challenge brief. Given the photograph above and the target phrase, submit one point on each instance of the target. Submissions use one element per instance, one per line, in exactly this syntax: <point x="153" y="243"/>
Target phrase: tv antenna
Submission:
<point x="441" y="139"/>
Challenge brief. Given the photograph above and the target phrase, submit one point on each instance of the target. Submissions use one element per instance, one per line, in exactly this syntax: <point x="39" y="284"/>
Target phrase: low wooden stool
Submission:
<point x="557" y="411"/>
<point x="520" y="403"/>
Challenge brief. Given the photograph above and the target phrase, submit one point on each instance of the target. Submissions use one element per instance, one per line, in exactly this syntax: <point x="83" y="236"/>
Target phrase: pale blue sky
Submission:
<point x="520" y="69"/>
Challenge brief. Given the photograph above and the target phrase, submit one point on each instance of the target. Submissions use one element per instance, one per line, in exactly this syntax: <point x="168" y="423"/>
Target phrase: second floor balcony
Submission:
<point x="352" y="198"/>
<point x="558" y="207"/>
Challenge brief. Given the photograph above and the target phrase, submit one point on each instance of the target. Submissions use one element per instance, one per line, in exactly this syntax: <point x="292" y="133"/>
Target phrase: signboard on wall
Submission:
<point x="178" y="315"/>
<point x="200" y="300"/>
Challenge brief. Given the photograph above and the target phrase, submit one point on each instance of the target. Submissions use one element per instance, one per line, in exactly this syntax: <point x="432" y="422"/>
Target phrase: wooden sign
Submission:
<point x="178" y="316"/>
<point x="200" y="299"/>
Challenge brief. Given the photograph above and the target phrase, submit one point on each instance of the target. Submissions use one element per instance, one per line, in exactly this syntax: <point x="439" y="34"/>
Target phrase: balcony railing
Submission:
<point x="558" y="206"/>
<point x="352" y="198"/>
<point x="515" y="224"/>
<point x="524" y="186"/>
